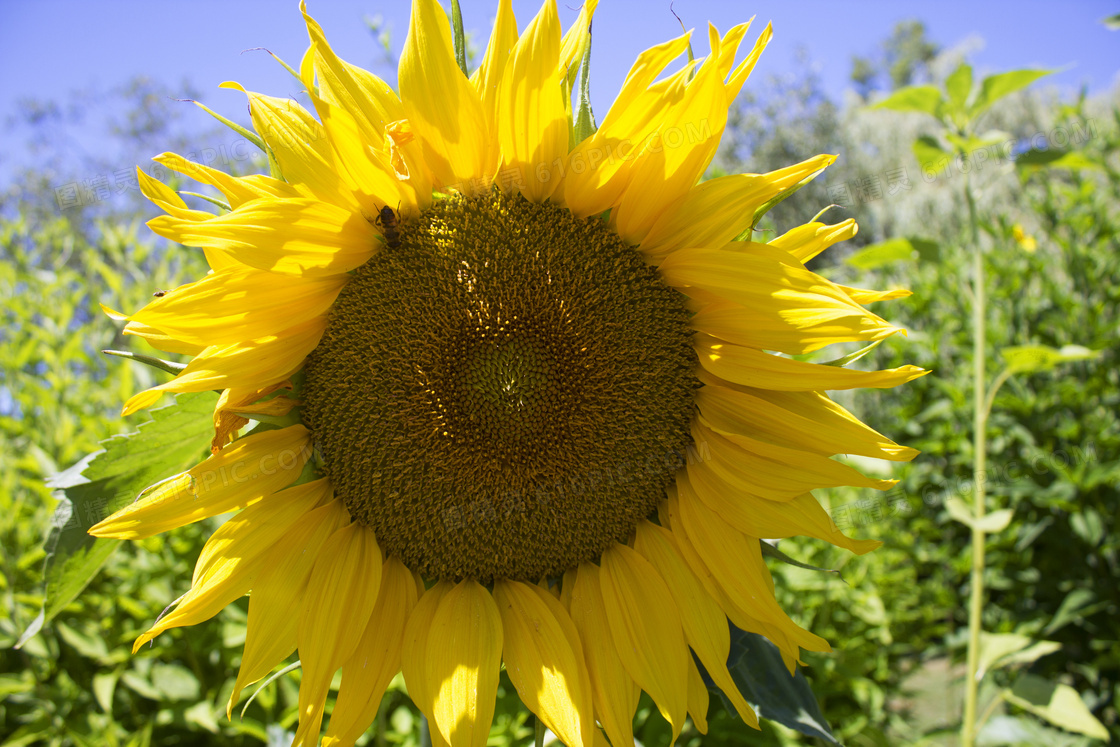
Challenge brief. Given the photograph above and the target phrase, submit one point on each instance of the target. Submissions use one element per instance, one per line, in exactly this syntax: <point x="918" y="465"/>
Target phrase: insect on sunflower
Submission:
<point x="534" y="400"/>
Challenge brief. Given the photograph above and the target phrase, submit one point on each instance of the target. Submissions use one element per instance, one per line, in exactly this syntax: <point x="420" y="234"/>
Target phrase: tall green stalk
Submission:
<point x="979" y="463"/>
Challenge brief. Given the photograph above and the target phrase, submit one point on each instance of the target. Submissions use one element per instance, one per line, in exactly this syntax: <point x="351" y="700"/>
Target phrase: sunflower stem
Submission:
<point x="979" y="457"/>
<point x="538" y="732"/>
<point x="459" y="37"/>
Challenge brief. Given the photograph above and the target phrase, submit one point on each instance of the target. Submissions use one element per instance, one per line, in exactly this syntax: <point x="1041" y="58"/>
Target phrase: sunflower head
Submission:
<point x="531" y="399"/>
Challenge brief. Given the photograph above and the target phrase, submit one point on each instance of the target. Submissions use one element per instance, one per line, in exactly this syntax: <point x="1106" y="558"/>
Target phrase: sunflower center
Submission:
<point x="503" y="393"/>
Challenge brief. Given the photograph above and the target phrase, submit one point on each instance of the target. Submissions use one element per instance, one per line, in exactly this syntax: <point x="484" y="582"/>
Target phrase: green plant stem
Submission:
<point x="979" y="463"/>
<point x="1004" y="375"/>
<point x="538" y="732"/>
<point x="990" y="709"/>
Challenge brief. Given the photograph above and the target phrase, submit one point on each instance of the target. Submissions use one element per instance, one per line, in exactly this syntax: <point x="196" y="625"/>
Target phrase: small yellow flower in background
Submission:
<point x="534" y="412"/>
<point x="1028" y="243"/>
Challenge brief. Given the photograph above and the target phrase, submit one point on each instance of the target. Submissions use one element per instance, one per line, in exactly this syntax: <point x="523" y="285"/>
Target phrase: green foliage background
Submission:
<point x="896" y="617"/>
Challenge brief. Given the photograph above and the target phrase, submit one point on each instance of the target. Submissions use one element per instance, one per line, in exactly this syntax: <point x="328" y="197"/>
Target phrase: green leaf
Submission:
<point x="142" y="738"/>
<point x="1032" y="358"/>
<point x="1112" y="23"/>
<point x="757" y="668"/>
<point x="1077" y="605"/>
<point x="89" y="646"/>
<point x="993" y="522"/>
<point x="1014" y="731"/>
<point x="1052" y="158"/>
<point x="890" y="251"/>
<point x="958" y="85"/>
<point x="1007" y="649"/>
<point x="1057" y="703"/>
<point x="995" y="646"/>
<point x="104" y="685"/>
<point x="931" y="156"/>
<point x="175" y="682"/>
<point x="1030" y="654"/>
<point x="995" y="87"/>
<point x="925" y="99"/>
<point x="105" y="481"/>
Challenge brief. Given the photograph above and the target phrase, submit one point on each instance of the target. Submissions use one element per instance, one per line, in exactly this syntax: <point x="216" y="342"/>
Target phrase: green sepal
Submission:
<point x="765" y="207"/>
<point x="170" y="367"/>
<point x="584" y="125"/>
<point x="772" y="551"/>
<point x="252" y="137"/>
<point x="459" y="38"/>
<point x="212" y="200"/>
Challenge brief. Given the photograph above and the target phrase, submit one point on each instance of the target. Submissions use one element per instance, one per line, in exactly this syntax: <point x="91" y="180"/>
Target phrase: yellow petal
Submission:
<point x="239" y="304"/>
<point x="232" y="559"/>
<point x="532" y="117"/>
<point x="298" y="236"/>
<point x="166" y="198"/>
<point x="572" y="43"/>
<point x="247" y="471"/>
<point x="443" y="107"/>
<point x="600" y="166"/>
<point x="703" y="620"/>
<point x="614" y="692"/>
<point x="464" y="658"/>
<point x="759" y="517"/>
<point x="762" y="370"/>
<point x="544" y="660"/>
<point x="377" y="659"/>
<point x="369" y="100"/>
<point x="862" y="296"/>
<point x="238" y="190"/>
<point x="271" y="633"/>
<point x="808" y="421"/>
<point x="414" y="650"/>
<point x="697" y="697"/>
<point x="735" y="560"/>
<point x="675" y="155"/>
<point x="254" y="364"/>
<point x="234" y="404"/>
<point x="669" y="513"/>
<point x="716" y="211"/>
<point x="646" y="628"/>
<point x="159" y="339"/>
<point x="739" y="75"/>
<point x="301" y="147"/>
<point x="488" y="76"/>
<point x="766" y="470"/>
<point x="772" y="305"/>
<point x="340" y="598"/>
<point x="809" y="240"/>
<point x="369" y="175"/>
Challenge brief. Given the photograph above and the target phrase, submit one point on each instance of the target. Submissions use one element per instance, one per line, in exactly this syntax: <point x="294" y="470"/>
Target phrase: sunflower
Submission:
<point x="521" y="396"/>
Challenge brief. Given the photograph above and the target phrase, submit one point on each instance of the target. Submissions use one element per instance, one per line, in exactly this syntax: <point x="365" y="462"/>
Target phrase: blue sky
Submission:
<point x="49" y="48"/>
